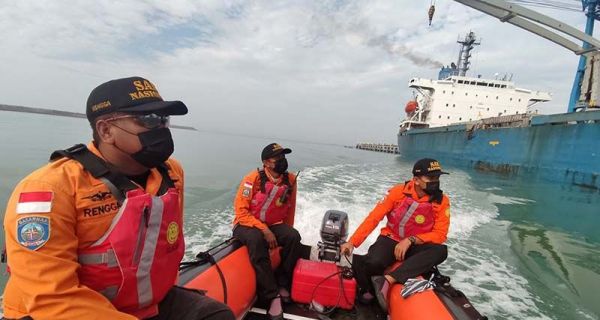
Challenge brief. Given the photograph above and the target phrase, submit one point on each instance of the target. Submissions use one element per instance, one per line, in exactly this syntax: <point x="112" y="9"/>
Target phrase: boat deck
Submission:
<point x="294" y="311"/>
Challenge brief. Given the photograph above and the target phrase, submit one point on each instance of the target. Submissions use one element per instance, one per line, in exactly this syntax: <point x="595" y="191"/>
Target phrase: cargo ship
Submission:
<point x="491" y="124"/>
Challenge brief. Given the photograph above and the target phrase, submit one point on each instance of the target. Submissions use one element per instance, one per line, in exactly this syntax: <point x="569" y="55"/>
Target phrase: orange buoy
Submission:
<point x="411" y="106"/>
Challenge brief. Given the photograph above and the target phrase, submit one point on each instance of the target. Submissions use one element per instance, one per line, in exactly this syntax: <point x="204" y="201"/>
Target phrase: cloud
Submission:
<point x="329" y="71"/>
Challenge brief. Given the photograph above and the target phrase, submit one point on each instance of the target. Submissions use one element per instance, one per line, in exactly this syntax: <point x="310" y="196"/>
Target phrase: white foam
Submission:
<point x="209" y="228"/>
<point x="492" y="285"/>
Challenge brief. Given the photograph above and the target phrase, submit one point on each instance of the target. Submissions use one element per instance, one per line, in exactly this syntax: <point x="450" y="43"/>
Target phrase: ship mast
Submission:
<point x="592" y="11"/>
<point x="464" y="54"/>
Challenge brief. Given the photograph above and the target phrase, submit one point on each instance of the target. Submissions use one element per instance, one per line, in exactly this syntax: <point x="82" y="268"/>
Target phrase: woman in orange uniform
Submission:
<point x="418" y="216"/>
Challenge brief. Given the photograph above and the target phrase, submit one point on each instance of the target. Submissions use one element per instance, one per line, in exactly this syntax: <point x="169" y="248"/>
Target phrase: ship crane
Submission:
<point x="586" y="87"/>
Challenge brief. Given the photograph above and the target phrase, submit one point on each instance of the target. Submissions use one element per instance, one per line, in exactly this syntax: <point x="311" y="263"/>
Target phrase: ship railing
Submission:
<point x="513" y="120"/>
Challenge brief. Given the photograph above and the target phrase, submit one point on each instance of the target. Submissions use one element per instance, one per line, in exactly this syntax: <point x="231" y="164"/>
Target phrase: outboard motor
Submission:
<point x="334" y="232"/>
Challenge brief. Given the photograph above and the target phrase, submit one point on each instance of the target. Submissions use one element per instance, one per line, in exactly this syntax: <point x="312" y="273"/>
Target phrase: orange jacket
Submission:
<point x="241" y="204"/>
<point x="395" y="196"/>
<point x="43" y="283"/>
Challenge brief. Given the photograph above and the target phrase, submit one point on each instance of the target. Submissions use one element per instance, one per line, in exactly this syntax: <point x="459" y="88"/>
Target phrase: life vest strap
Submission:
<point x="110" y="292"/>
<point x="117" y="183"/>
<point x="109" y="258"/>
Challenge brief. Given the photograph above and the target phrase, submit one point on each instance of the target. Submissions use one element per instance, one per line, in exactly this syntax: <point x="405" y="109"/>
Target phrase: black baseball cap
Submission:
<point x="428" y="167"/>
<point x="273" y="150"/>
<point x="130" y="95"/>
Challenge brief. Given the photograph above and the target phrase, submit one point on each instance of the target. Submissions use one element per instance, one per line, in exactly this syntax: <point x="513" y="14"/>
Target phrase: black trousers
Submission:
<point x="188" y="304"/>
<point x="267" y="281"/>
<point x="419" y="259"/>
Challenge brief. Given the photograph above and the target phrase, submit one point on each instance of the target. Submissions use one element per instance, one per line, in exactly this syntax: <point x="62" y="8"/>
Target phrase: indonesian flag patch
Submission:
<point x="35" y="202"/>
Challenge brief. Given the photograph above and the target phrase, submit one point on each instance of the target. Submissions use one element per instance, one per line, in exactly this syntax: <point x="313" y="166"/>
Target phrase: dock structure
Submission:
<point x="378" y="147"/>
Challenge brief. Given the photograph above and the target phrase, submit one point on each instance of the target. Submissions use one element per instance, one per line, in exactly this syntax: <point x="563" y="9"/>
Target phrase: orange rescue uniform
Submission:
<point x="394" y="197"/>
<point x="243" y="198"/>
<point x="44" y="283"/>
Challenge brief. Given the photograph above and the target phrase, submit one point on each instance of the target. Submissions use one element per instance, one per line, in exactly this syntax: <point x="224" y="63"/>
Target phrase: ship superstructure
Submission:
<point x="455" y="97"/>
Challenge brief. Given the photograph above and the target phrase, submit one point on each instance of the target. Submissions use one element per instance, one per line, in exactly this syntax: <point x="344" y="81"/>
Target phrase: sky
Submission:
<point x="330" y="71"/>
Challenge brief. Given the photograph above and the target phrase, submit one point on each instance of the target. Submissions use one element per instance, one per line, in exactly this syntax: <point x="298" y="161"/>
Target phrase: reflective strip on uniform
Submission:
<point x="263" y="210"/>
<point x="113" y="224"/>
<point x="144" y="282"/>
<point x="109" y="258"/>
<point x="405" y="218"/>
<point x="110" y="292"/>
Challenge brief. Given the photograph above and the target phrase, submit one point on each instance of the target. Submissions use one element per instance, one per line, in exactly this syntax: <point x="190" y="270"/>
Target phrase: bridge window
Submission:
<point x="446" y="104"/>
<point x="440" y="117"/>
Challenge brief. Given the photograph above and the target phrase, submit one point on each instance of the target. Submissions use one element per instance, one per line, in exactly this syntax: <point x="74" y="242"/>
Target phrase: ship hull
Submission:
<point x="563" y="147"/>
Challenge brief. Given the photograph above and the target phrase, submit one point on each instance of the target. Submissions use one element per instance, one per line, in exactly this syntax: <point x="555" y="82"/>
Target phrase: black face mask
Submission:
<point x="432" y="187"/>
<point x="281" y="166"/>
<point x="157" y="147"/>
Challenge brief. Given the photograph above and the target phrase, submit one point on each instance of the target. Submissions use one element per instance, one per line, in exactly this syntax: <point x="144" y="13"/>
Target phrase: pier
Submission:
<point x="378" y="147"/>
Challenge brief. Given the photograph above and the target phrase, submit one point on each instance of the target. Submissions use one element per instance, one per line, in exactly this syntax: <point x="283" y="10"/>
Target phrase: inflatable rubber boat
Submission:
<point x="322" y="287"/>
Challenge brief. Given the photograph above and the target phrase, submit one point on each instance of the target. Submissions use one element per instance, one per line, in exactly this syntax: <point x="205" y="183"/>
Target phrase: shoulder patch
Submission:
<point x="35" y="202"/>
<point x="247" y="189"/>
<point x="33" y="231"/>
<point x="448" y="212"/>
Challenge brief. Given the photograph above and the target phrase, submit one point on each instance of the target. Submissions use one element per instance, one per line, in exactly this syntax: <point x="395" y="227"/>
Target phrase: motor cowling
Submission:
<point x="334" y="232"/>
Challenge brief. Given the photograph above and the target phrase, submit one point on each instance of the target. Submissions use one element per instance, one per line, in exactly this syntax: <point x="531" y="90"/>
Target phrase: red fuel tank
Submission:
<point x="323" y="283"/>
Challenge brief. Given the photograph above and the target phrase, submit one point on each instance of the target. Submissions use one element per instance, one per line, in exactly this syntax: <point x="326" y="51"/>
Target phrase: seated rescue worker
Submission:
<point x="418" y="217"/>
<point x="264" y="206"/>
<point x="97" y="232"/>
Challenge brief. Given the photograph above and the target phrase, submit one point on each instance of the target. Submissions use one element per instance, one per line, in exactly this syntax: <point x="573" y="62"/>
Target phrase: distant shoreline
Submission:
<point x="60" y="113"/>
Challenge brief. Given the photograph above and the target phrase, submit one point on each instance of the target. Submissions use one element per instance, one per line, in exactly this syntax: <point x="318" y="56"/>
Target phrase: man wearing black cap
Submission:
<point x="97" y="232"/>
<point x="418" y="217"/>
<point x="264" y="218"/>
